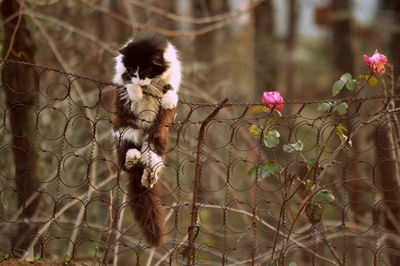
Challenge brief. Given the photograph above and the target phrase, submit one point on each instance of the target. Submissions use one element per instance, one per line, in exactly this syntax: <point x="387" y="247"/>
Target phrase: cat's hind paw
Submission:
<point x="132" y="157"/>
<point x="169" y="100"/>
<point x="150" y="176"/>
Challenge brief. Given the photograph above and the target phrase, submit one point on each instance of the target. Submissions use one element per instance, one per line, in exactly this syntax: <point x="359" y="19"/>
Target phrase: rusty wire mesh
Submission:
<point x="214" y="208"/>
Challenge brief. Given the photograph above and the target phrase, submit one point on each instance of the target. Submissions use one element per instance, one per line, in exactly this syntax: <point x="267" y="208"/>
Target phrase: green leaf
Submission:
<point x="297" y="146"/>
<point x="271" y="138"/>
<point x="337" y="87"/>
<point x="340" y="109"/>
<point x="252" y="173"/>
<point x="346" y="77"/>
<point x="270" y="168"/>
<point x="307" y="184"/>
<point x="373" y="81"/>
<point x="292" y="263"/>
<point x="324" y="107"/>
<point x="271" y="263"/>
<point x="255" y="130"/>
<point x="310" y="164"/>
<point x="314" y="212"/>
<point x="258" y="109"/>
<point x="351" y="85"/>
<point x="324" y="196"/>
<point x="340" y="131"/>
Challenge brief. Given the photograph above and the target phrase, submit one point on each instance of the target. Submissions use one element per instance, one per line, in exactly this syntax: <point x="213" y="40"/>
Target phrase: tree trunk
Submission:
<point x="20" y="84"/>
<point x="342" y="37"/>
<point x="203" y="44"/>
<point x="389" y="172"/>
<point x="394" y="47"/>
<point x="265" y="47"/>
<point x="343" y="45"/>
<point x="290" y="45"/>
<point x="206" y="45"/>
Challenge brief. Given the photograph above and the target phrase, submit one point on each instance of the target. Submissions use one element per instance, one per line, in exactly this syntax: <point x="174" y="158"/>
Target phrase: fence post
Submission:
<point x="193" y="229"/>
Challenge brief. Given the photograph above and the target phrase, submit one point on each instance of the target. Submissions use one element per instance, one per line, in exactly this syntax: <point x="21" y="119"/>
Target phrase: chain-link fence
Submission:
<point x="242" y="185"/>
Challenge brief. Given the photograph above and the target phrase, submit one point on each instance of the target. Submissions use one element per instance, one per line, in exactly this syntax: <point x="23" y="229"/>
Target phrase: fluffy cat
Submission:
<point x="150" y="74"/>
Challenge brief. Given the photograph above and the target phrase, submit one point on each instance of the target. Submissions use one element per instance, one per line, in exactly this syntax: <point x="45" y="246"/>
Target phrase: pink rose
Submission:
<point x="273" y="99"/>
<point x="376" y="63"/>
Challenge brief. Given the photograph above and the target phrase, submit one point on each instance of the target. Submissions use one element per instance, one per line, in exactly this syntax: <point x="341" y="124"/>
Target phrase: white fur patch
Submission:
<point x="173" y="74"/>
<point x="134" y="91"/>
<point x="119" y="70"/>
<point x="149" y="157"/>
<point x="133" y="156"/>
<point x="169" y="100"/>
<point x="134" y="135"/>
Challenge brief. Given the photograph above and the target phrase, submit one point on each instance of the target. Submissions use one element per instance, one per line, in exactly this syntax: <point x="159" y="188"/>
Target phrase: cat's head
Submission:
<point x="143" y="58"/>
<point x="146" y="57"/>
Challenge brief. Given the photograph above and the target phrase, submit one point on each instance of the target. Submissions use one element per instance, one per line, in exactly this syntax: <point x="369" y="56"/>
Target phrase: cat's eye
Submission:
<point x="157" y="62"/>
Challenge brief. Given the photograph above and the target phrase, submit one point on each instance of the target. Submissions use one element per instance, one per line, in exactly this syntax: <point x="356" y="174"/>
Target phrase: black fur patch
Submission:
<point x="146" y="54"/>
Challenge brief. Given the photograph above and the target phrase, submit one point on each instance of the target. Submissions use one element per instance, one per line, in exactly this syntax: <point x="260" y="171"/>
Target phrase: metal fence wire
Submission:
<point x="225" y="202"/>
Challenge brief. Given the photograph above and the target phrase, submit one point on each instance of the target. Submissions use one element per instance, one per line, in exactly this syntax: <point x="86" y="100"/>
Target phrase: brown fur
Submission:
<point x="160" y="130"/>
<point x="147" y="207"/>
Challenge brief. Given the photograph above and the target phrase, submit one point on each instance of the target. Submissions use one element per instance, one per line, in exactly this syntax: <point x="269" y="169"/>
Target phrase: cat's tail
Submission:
<point x="147" y="208"/>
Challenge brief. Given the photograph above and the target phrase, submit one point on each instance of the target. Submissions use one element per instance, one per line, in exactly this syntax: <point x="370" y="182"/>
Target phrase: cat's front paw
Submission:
<point x="169" y="100"/>
<point x="135" y="92"/>
<point x="150" y="176"/>
<point x="132" y="157"/>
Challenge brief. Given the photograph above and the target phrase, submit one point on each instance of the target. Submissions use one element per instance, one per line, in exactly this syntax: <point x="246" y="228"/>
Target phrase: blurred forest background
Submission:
<point x="229" y="48"/>
<point x="63" y="197"/>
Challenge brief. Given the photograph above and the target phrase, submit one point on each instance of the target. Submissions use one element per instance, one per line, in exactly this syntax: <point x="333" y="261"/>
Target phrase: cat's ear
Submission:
<point x="123" y="50"/>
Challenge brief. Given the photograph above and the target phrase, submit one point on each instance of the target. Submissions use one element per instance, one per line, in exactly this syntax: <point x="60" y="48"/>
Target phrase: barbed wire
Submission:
<point x="224" y="205"/>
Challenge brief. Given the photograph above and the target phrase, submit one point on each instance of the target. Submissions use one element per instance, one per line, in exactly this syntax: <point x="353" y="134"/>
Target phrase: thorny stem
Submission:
<point x="278" y="229"/>
<point x="299" y="243"/>
<point x="331" y="248"/>
<point x="365" y="83"/>
<point x="331" y="160"/>
<point x="308" y="198"/>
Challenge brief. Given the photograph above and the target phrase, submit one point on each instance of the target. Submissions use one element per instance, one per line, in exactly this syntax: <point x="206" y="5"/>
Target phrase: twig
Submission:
<point x="165" y="32"/>
<point x="331" y="248"/>
<point x="79" y="219"/>
<point x="65" y="208"/>
<point x="85" y="34"/>
<point x="43" y="186"/>
<point x="299" y="243"/>
<point x="64" y="64"/>
<point x="119" y="230"/>
<point x="149" y="260"/>
<point x="203" y="20"/>
<point x="16" y="28"/>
